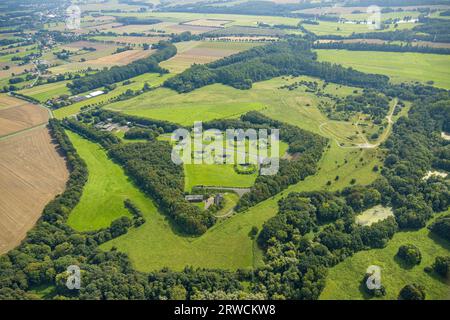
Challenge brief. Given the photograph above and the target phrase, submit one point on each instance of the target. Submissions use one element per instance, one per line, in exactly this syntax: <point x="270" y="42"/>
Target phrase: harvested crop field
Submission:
<point x="202" y="52"/>
<point x="118" y="59"/>
<point x="16" y="115"/>
<point x="88" y="44"/>
<point x="179" y="28"/>
<point x="31" y="168"/>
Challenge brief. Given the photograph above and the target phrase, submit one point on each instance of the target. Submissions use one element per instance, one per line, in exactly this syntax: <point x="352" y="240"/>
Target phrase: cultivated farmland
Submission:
<point x="17" y="115"/>
<point x="29" y="165"/>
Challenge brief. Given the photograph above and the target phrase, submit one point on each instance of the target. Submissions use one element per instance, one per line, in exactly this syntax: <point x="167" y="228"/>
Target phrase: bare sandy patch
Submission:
<point x="373" y="215"/>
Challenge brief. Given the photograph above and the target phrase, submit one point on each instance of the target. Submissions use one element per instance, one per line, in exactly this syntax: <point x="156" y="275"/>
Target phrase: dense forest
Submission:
<point x="291" y="57"/>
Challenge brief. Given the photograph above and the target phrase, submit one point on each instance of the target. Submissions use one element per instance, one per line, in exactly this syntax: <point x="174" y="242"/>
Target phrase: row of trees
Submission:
<point x="364" y="46"/>
<point x="165" y="50"/>
<point x="291" y="57"/>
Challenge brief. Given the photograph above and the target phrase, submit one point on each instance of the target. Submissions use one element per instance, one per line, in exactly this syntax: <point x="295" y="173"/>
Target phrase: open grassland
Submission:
<point x="137" y="83"/>
<point x="105" y="191"/>
<point x="47" y="91"/>
<point x="228" y="245"/>
<point x="31" y="169"/>
<point x="400" y="67"/>
<point x="201" y="105"/>
<point x="201" y="52"/>
<point x="17" y="115"/>
<point x="344" y="280"/>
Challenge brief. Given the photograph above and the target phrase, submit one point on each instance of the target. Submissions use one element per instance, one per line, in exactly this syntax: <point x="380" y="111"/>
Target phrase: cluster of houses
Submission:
<point x="110" y="126"/>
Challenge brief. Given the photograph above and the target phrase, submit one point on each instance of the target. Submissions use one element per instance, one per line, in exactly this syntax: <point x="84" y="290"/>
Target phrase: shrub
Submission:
<point x="410" y="254"/>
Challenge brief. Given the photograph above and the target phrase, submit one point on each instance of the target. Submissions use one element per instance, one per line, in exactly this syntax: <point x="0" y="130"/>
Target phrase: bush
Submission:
<point x="442" y="266"/>
<point x="412" y="292"/>
<point x="410" y="254"/>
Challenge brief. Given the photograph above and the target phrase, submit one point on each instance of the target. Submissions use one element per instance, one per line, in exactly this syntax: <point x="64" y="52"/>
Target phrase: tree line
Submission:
<point x="290" y="57"/>
<point x="364" y="46"/>
<point x="165" y="50"/>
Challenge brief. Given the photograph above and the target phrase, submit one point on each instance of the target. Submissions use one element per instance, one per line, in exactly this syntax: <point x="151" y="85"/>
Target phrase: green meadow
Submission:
<point x="215" y="175"/>
<point x="47" y="91"/>
<point x="399" y="66"/>
<point x="106" y="189"/>
<point x="344" y="280"/>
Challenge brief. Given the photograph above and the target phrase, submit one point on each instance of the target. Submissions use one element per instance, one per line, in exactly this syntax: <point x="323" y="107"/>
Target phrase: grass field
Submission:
<point x="215" y="175"/>
<point x="344" y="280"/>
<point x="47" y="91"/>
<point x="201" y="105"/>
<point x="400" y="67"/>
<point x="105" y="191"/>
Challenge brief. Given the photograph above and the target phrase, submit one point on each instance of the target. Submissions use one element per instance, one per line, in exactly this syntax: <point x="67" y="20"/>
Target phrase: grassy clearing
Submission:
<point x="105" y="191"/>
<point x="343" y="282"/>
<point x="400" y="67"/>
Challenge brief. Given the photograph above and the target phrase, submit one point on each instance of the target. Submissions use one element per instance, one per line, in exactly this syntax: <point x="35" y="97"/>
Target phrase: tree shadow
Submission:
<point x="363" y="290"/>
<point x="403" y="264"/>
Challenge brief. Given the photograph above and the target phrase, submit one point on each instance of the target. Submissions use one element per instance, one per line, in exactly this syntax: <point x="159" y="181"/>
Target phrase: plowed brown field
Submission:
<point x="31" y="174"/>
